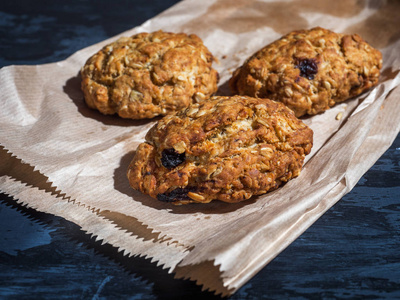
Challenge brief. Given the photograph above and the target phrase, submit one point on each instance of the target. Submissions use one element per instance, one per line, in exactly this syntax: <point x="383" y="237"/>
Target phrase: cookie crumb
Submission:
<point x="339" y="116"/>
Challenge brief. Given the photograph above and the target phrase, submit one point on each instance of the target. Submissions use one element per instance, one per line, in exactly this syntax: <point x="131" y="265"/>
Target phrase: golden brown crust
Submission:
<point x="149" y="74"/>
<point x="228" y="148"/>
<point x="309" y="70"/>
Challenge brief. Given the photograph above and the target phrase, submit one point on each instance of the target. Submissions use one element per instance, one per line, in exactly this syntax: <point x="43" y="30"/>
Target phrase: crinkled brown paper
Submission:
<point x="62" y="158"/>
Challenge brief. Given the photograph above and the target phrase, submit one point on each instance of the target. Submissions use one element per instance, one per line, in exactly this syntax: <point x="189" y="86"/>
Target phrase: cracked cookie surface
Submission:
<point x="149" y="74"/>
<point x="227" y="148"/>
<point x="309" y="70"/>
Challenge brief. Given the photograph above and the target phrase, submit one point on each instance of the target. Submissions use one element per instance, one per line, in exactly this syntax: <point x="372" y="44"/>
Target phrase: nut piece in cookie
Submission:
<point x="149" y="74"/>
<point x="309" y="70"/>
<point x="227" y="148"/>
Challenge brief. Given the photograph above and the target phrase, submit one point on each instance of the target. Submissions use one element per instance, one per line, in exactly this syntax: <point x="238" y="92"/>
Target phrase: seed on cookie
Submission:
<point x="149" y="74"/>
<point x="309" y="70"/>
<point x="227" y="148"/>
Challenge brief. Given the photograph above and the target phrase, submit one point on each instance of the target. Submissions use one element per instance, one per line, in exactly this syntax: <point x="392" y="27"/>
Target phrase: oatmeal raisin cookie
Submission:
<point x="227" y="148"/>
<point x="149" y="74"/>
<point x="309" y="70"/>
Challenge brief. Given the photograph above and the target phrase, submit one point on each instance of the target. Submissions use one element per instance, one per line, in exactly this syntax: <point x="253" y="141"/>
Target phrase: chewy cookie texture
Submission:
<point x="149" y="74"/>
<point x="227" y="148"/>
<point x="309" y="70"/>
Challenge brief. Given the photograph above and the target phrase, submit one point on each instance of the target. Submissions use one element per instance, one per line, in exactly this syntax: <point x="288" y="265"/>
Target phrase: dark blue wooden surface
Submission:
<point x="353" y="251"/>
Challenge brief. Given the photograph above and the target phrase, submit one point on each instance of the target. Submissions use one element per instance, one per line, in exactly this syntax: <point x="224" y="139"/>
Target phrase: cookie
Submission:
<point x="227" y="148"/>
<point x="309" y="70"/>
<point x="149" y="74"/>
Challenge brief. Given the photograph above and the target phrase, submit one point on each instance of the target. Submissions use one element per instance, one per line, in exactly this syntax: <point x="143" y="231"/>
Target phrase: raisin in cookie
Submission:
<point x="227" y="148"/>
<point x="309" y="70"/>
<point x="149" y="74"/>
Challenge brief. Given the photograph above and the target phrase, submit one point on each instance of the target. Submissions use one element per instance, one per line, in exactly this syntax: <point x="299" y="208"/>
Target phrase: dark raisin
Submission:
<point x="176" y="195"/>
<point x="170" y="158"/>
<point x="308" y="67"/>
